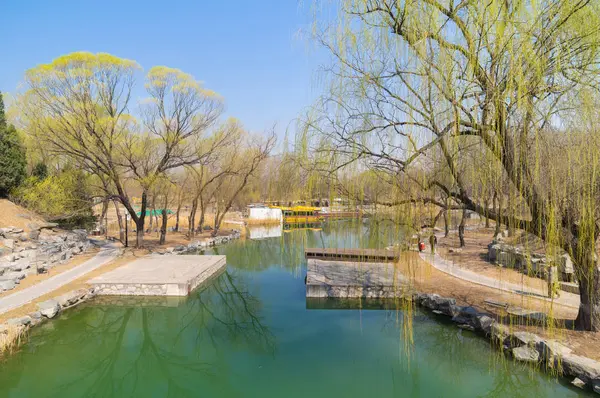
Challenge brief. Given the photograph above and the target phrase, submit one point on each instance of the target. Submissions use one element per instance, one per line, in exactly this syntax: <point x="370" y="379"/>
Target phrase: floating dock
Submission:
<point x="360" y="255"/>
<point x="348" y="279"/>
<point x="160" y="275"/>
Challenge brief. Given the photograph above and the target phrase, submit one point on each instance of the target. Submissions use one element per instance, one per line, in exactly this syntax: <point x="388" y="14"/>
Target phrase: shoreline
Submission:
<point x="13" y="331"/>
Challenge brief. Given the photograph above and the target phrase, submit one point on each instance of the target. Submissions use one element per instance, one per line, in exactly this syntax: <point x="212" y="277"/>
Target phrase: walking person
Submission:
<point x="433" y="243"/>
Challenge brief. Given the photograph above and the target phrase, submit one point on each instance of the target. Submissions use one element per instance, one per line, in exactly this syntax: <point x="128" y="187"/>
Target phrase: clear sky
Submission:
<point x="250" y="52"/>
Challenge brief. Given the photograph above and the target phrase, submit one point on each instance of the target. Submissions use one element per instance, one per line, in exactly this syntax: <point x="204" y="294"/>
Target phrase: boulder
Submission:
<point x="49" y="308"/>
<point x="484" y="323"/>
<point x="22" y="321"/>
<point x="72" y="297"/>
<point x="526" y="354"/>
<point x="583" y="368"/>
<point x="465" y="316"/>
<point x="36" y="317"/>
<point x="566" y="264"/>
<point x="577" y="382"/>
<point x="518" y="339"/>
<point x="499" y="332"/>
<point x="552" y="351"/>
<point x="435" y="302"/>
<point x="9" y="244"/>
<point x="7" y="285"/>
<point x="5" y="231"/>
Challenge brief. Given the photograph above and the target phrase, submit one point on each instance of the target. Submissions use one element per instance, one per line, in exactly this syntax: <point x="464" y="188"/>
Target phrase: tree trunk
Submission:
<point x="120" y="222"/>
<point x="192" y="218"/>
<point x="498" y="211"/>
<point x="163" y="228"/>
<point x="510" y="208"/>
<point x="486" y="203"/>
<point x="461" y="228"/>
<point x="446" y="223"/>
<point x="201" y="220"/>
<point x="139" y="223"/>
<point x="103" y="215"/>
<point x="588" y="317"/>
<point x="177" y="217"/>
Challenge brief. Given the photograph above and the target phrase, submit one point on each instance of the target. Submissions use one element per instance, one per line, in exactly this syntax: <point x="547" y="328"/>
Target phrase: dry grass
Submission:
<point x="11" y="339"/>
<point x="12" y="215"/>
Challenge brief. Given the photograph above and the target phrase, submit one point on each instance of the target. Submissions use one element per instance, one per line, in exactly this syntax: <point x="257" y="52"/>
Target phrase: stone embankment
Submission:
<point x="201" y="244"/>
<point x="36" y="251"/>
<point x="52" y="251"/>
<point x="537" y="264"/>
<point x="14" y="328"/>
<point x="521" y="346"/>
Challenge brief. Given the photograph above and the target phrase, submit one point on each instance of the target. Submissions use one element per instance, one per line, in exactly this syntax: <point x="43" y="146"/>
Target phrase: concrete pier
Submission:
<point x="166" y="275"/>
<point x="346" y="279"/>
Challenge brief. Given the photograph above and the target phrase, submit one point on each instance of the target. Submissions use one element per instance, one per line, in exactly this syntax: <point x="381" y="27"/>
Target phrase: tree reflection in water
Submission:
<point x="153" y="350"/>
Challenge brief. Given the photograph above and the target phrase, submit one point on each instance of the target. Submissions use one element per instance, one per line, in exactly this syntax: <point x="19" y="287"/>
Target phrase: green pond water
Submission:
<point x="251" y="333"/>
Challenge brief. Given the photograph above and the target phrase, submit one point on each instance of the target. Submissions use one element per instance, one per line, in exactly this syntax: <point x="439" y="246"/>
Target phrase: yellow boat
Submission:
<point x="300" y="214"/>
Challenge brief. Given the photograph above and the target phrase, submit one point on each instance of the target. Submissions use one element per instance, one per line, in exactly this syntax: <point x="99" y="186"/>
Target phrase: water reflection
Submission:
<point x="252" y="333"/>
<point x="125" y="350"/>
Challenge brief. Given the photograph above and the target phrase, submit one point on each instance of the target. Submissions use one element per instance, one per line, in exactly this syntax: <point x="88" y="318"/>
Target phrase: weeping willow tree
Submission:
<point x="470" y="99"/>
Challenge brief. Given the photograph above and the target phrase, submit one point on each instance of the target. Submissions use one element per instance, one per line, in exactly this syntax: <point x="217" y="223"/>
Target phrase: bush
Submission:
<point x="62" y="198"/>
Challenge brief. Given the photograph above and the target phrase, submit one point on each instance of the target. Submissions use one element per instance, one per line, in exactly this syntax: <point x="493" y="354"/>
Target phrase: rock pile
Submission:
<point x="532" y="263"/>
<point x="26" y="253"/>
<point x="522" y="346"/>
<point x="200" y="245"/>
<point x="48" y="309"/>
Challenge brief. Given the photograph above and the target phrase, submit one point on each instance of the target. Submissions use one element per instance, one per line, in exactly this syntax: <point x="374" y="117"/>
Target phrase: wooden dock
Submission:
<point x="358" y="255"/>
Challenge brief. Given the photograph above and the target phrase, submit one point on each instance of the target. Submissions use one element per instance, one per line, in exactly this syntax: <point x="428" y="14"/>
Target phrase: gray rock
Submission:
<point x="466" y="316"/>
<point x="518" y="339"/>
<point x="484" y="322"/>
<point x="72" y="297"/>
<point x="5" y="231"/>
<point x="435" y="302"/>
<point x="14" y="275"/>
<point x="36" y="318"/>
<point x="23" y="237"/>
<point x="552" y="351"/>
<point x="577" y="382"/>
<point x="584" y="368"/>
<point x="34" y="234"/>
<point x="466" y="326"/>
<point x="49" y="308"/>
<point x="22" y="321"/>
<point x="9" y="244"/>
<point x="526" y="354"/>
<point x="7" y="285"/>
<point x="596" y="387"/>
<point x="499" y="332"/>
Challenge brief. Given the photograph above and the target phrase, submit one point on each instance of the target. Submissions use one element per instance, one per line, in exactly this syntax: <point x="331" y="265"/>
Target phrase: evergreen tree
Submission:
<point x="12" y="155"/>
<point x="40" y="171"/>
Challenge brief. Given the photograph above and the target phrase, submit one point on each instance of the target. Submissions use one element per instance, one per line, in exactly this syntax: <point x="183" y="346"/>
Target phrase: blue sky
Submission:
<point x="251" y="52"/>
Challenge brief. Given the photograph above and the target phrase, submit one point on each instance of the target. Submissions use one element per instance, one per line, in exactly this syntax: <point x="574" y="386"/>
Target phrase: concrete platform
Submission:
<point x="166" y="275"/>
<point x="347" y="279"/>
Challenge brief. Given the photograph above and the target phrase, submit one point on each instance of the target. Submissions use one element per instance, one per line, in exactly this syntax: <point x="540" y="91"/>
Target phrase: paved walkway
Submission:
<point x="448" y="267"/>
<point x="29" y="294"/>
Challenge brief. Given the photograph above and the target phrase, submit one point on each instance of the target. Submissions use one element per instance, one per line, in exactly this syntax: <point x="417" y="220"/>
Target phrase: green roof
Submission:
<point x="154" y="212"/>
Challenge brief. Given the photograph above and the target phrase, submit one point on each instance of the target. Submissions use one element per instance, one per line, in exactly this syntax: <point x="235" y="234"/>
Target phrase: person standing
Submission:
<point x="433" y="243"/>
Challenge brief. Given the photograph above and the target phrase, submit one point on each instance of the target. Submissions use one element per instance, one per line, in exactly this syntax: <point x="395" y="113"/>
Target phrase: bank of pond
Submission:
<point x="252" y="333"/>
